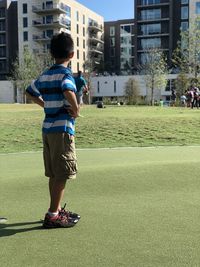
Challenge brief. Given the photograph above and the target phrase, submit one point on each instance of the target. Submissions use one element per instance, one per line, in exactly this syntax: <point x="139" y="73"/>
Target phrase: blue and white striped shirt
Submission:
<point x="50" y="86"/>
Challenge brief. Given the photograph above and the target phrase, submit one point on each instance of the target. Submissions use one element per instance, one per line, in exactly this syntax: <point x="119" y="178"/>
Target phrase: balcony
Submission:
<point x="95" y="51"/>
<point x="95" y="27"/>
<point x="152" y="3"/>
<point x="41" y="38"/>
<point x="50" y="9"/>
<point x="152" y="19"/>
<point x="95" y="40"/>
<point x="157" y="34"/>
<point x="60" y="23"/>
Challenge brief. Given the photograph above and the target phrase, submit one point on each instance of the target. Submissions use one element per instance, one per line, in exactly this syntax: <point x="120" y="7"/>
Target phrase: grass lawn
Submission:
<point x="20" y="127"/>
<point x="140" y="207"/>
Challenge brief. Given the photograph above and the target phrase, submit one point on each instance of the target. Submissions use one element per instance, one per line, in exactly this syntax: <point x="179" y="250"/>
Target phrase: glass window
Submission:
<point x="184" y="26"/>
<point x="2" y="38"/>
<point x="77" y="29"/>
<point x="2" y="52"/>
<point x="112" y="52"/>
<point x="25" y="8"/>
<point x="2" y="65"/>
<point x="25" y="35"/>
<point x="83" y="31"/>
<point x="68" y="10"/>
<point x="198" y="8"/>
<point x="184" y="2"/>
<point x="112" y="41"/>
<point x="115" y="87"/>
<point x="184" y="12"/>
<point x="25" y="22"/>
<point x="77" y="16"/>
<point x="151" y="29"/>
<point x="151" y="14"/>
<point x="2" y="26"/>
<point x="112" y="31"/>
<point x="150" y="2"/>
<point x="125" y="29"/>
<point x="151" y="43"/>
<point x="83" y="19"/>
<point x="77" y="54"/>
<point x="49" y="33"/>
<point x="77" y="41"/>
<point x="2" y="13"/>
<point x="84" y="44"/>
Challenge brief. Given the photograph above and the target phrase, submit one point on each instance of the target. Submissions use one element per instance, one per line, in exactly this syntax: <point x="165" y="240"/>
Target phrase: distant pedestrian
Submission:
<point x="81" y="87"/>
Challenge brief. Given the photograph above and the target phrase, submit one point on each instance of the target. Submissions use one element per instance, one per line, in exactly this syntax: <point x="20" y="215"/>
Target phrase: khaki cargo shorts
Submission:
<point x="59" y="156"/>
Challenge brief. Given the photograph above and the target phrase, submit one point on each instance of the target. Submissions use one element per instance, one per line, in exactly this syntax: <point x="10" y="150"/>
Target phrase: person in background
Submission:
<point x="81" y="87"/>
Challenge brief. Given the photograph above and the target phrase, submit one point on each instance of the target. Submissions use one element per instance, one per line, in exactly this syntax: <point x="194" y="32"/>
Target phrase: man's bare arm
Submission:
<point x="37" y="100"/>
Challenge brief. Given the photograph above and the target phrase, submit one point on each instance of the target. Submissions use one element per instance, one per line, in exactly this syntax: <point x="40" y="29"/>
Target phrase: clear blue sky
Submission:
<point x="111" y="9"/>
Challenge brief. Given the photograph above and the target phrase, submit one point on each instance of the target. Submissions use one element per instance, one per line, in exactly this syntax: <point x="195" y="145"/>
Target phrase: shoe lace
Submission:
<point x="64" y="212"/>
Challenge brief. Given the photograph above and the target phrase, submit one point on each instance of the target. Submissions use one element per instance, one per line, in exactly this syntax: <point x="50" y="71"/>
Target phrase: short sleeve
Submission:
<point x="68" y="83"/>
<point x="33" y="89"/>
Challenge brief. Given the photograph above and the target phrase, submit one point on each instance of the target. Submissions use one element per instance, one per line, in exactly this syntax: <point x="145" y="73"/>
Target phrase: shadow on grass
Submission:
<point x="9" y="229"/>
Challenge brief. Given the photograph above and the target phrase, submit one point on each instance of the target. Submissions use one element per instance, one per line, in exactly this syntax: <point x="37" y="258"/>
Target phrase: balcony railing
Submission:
<point x="41" y="38"/>
<point x="95" y="40"/>
<point x="145" y="3"/>
<point x="51" y="8"/>
<point x="95" y="27"/>
<point x="61" y="22"/>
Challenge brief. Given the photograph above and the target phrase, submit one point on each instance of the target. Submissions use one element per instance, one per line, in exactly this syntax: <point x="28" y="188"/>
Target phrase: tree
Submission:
<point x="181" y="84"/>
<point x="154" y="68"/>
<point x="187" y="54"/>
<point x="23" y="73"/>
<point x="131" y="91"/>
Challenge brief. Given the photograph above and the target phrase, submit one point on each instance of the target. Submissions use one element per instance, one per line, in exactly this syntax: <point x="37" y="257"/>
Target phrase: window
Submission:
<point x="112" y="31"/>
<point x="2" y="26"/>
<point x="83" y="31"/>
<point x="49" y="33"/>
<point x="125" y="29"/>
<point x="84" y="56"/>
<point x="25" y="8"/>
<point x="83" y="19"/>
<point x="84" y="44"/>
<point x="184" y="26"/>
<point x="184" y="2"/>
<point x="2" y="65"/>
<point x="77" y="54"/>
<point x="77" y="16"/>
<point x="25" y="22"/>
<point x="151" y="29"/>
<point x="2" y="13"/>
<point x="77" y="29"/>
<point x="198" y="8"/>
<point x="151" y="14"/>
<point x="115" y="87"/>
<point x="2" y="52"/>
<point x="25" y="35"/>
<point x="150" y="2"/>
<point x="77" y="41"/>
<point x="184" y="12"/>
<point x="49" y="19"/>
<point x="151" y="43"/>
<point x="2" y="38"/>
<point x="112" y="52"/>
<point x="98" y="87"/>
<point x="112" y="41"/>
<point x="68" y="10"/>
<point x="77" y="66"/>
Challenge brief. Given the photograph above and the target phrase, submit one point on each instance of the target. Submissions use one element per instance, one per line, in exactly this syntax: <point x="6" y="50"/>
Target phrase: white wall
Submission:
<point x="103" y="86"/>
<point x="6" y="92"/>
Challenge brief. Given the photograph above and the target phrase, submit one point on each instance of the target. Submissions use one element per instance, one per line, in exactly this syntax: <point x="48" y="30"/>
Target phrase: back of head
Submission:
<point x="62" y="45"/>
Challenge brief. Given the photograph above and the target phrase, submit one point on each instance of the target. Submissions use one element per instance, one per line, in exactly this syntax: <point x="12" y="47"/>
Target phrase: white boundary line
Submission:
<point x="103" y="148"/>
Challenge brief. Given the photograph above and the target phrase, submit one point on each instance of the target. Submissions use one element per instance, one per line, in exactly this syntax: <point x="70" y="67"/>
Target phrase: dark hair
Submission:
<point x="61" y="45"/>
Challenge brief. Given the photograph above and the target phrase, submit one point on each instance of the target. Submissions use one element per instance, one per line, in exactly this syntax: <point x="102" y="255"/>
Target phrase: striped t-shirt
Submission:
<point x="50" y="86"/>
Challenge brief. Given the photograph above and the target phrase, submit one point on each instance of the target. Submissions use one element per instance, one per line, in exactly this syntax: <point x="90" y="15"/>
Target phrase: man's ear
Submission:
<point x="71" y="55"/>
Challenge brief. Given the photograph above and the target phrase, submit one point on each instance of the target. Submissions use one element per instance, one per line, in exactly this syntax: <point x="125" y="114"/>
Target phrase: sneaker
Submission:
<point x="69" y="214"/>
<point x="3" y="220"/>
<point x="58" y="221"/>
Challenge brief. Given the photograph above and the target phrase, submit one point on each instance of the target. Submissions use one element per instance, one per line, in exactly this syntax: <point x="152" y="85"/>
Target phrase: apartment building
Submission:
<point x="39" y="20"/>
<point x="119" y="46"/>
<point x="8" y="36"/>
<point x="158" y="25"/>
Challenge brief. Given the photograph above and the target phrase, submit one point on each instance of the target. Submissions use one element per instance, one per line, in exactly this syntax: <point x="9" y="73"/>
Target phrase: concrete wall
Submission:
<point x="113" y="86"/>
<point x="8" y="94"/>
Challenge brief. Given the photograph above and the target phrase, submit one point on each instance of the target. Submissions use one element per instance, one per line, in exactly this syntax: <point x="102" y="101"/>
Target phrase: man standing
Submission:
<point x="81" y="87"/>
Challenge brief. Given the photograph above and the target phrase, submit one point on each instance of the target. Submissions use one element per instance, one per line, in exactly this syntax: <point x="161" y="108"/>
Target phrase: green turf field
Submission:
<point x="20" y="127"/>
<point x="140" y="207"/>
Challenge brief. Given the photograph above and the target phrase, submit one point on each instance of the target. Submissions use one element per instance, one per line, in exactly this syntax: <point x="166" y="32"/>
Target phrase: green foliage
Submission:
<point x="187" y="54"/>
<point x="131" y="91"/>
<point x="182" y="83"/>
<point x="155" y="71"/>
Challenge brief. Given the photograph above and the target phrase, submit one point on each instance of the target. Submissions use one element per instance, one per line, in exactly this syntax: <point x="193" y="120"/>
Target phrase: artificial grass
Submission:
<point x="139" y="207"/>
<point x="114" y="126"/>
